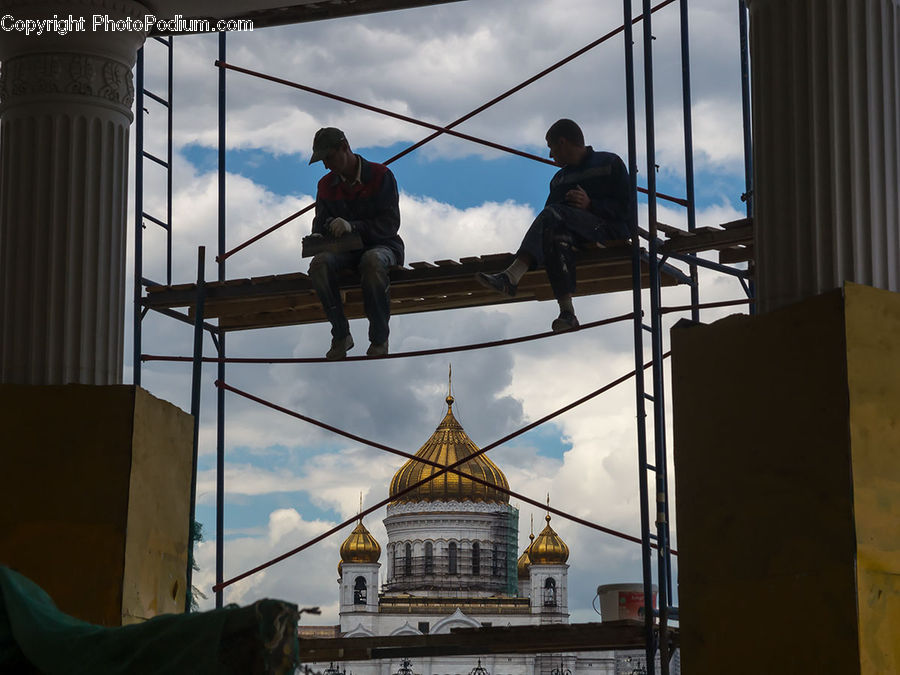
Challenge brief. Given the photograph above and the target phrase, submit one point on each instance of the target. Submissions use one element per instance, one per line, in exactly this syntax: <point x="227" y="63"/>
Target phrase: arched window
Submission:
<point x="550" y="592"/>
<point x="452" y="556"/>
<point x="407" y="561"/>
<point x="359" y="591"/>
<point x="476" y="558"/>
<point x="429" y="558"/>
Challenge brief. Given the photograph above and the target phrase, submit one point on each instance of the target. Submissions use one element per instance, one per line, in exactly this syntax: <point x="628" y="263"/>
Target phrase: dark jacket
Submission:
<point x="603" y="176"/>
<point x="372" y="206"/>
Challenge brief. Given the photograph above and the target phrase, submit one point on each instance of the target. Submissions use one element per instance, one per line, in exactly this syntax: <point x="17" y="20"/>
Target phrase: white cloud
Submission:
<point x="438" y="63"/>
<point x="308" y="578"/>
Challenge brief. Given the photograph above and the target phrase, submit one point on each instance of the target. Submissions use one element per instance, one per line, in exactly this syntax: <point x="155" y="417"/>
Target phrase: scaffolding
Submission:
<point x="452" y="575"/>
<point x="455" y="568"/>
<point x="646" y="268"/>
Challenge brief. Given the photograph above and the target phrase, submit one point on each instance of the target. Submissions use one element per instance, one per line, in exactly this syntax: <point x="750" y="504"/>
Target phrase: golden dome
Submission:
<point x="548" y="548"/>
<point x="524" y="561"/>
<point x="340" y="569"/>
<point x="447" y="445"/>
<point x="360" y="547"/>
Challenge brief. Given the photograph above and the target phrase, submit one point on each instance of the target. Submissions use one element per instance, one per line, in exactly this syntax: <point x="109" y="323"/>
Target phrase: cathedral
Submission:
<point x="451" y="561"/>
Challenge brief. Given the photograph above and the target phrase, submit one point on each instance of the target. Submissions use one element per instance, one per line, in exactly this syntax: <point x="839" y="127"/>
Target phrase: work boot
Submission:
<point x="499" y="282"/>
<point x="565" y="321"/>
<point x="377" y="349"/>
<point x="339" y="348"/>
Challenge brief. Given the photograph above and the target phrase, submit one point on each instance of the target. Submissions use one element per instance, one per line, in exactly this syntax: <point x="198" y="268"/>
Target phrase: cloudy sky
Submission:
<point x="288" y="481"/>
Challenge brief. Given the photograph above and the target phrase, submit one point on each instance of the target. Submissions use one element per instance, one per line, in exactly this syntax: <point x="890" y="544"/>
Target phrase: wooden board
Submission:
<point x="506" y="640"/>
<point x="289" y="299"/>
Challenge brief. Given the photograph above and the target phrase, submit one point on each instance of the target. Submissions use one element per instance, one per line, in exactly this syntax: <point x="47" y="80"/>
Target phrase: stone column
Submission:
<point x="826" y="123"/>
<point x="65" y="109"/>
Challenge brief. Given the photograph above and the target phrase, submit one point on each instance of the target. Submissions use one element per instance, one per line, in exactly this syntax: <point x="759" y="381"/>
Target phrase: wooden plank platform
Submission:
<point x="479" y="641"/>
<point x="729" y="235"/>
<point x="289" y="299"/>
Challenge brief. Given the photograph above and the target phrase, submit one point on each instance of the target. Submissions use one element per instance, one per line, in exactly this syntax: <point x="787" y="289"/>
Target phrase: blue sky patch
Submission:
<point x="464" y="182"/>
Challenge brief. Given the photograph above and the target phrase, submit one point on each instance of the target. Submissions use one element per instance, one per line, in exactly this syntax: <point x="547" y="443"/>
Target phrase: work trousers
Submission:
<point x="552" y="238"/>
<point x="373" y="266"/>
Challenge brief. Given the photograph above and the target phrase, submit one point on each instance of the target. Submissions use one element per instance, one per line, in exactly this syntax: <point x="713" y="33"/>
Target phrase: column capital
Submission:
<point x="118" y="38"/>
<point x="75" y="52"/>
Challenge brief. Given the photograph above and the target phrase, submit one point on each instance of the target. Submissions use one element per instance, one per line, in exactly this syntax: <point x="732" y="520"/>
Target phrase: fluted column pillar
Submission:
<point x="826" y="122"/>
<point x="65" y="110"/>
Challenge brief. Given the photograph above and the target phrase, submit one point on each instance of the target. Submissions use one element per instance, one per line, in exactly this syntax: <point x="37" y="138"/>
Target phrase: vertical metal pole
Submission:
<point x="640" y="393"/>
<point x="691" y="208"/>
<point x="688" y="151"/>
<point x="748" y="134"/>
<point x="195" y="410"/>
<point x="220" y="394"/>
<point x="745" y="101"/>
<point x="138" y="216"/>
<point x="171" y="47"/>
<point x="659" y="427"/>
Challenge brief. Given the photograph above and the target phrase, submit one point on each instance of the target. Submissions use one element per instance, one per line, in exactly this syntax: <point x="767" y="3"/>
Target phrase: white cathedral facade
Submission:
<point x="451" y="561"/>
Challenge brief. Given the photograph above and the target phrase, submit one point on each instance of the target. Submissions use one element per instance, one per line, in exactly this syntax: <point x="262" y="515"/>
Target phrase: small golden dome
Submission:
<point x="360" y="547"/>
<point x="524" y="561"/>
<point x="447" y="445"/>
<point x="548" y="548"/>
<point x="340" y="569"/>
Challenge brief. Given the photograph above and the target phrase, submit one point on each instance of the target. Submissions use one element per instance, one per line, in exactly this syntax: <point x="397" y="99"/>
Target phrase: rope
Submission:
<point x="705" y="305"/>
<point x="398" y="355"/>
<point x="440" y="472"/>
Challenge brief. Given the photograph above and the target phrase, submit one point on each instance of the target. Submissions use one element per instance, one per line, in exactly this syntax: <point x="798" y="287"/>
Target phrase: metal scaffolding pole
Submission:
<point x="688" y="150"/>
<point x="220" y="393"/>
<point x="659" y="426"/>
<point x="138" y="219"/>
<point x="637" y="302"/>
<point x="195" y="413"/>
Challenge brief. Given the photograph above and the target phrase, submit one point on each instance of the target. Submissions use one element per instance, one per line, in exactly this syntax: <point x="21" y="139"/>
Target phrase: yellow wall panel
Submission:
<point x="94" y="497"/>
<point x="873" y="369"/>
<point x="787" y="463"/>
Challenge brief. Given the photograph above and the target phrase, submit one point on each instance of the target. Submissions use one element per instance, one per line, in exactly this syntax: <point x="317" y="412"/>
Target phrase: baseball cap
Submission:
<point x="326" y="140"/>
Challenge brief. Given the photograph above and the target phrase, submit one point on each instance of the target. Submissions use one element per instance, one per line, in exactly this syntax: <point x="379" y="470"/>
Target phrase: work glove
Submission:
<point x="339" y="227"/>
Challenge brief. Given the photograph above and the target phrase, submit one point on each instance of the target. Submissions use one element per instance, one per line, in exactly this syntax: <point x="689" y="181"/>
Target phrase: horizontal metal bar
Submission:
<point x="166" y="41"/>
<point x="650" y="397"/>
<point x="647" y="328"/>
<point x="149" y="282"/>
<point x="181" y="316"/>
<point x="156" y="159"/>
<point x="704" y="305"/>
<point x="708" y="264"/>
<point x="650" y="467"/>
<point x="158" y="99"/>
<point x="159" y="222"/>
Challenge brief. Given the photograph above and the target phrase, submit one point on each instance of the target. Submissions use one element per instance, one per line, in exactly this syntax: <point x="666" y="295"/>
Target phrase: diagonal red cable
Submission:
<point x="397" y="355"/>
<point x="422" y="460"/>
<point x="446" y="129"/>
<point x="440" y="472"/>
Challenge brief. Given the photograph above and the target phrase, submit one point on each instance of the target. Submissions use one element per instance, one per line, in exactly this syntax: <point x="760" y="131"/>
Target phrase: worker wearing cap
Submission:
<point x="355" y="196"/>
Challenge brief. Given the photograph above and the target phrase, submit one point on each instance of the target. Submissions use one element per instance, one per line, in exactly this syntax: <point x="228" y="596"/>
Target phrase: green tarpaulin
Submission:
<point x="36" y="637"/>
